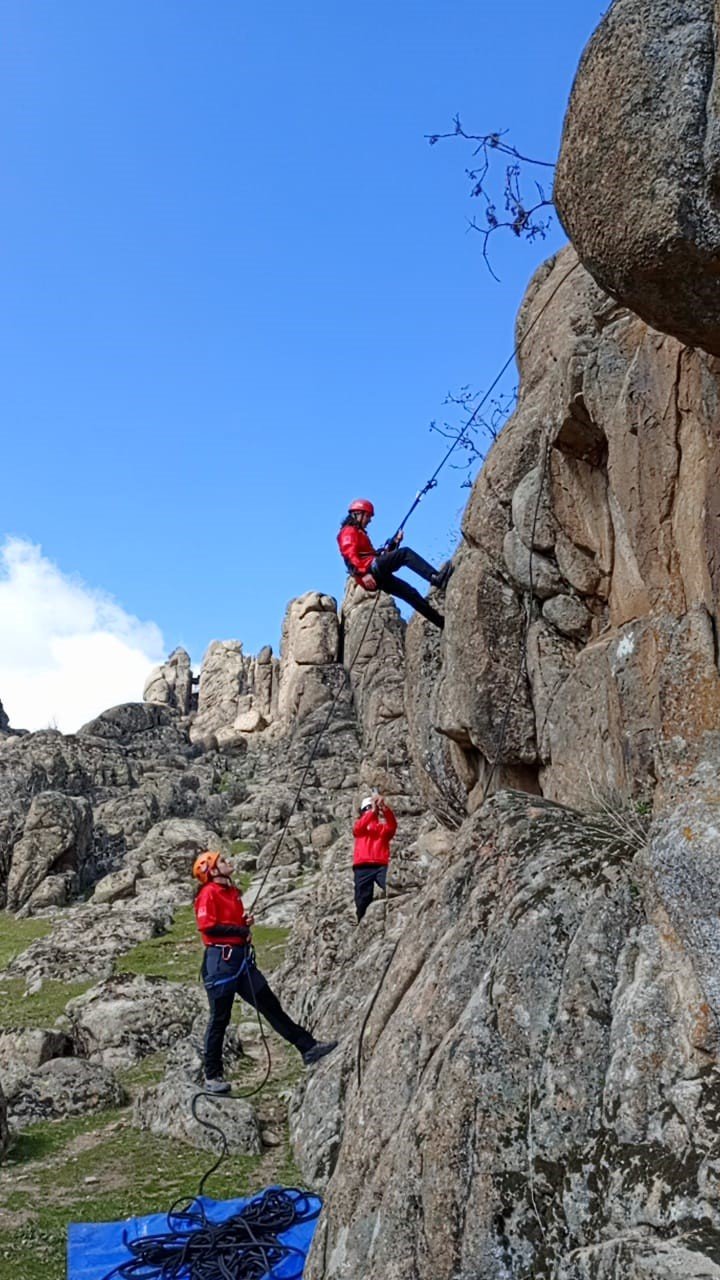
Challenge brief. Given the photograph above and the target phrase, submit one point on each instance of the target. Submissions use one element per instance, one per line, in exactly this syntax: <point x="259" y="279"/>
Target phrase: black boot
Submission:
<point x="442" y="577"/>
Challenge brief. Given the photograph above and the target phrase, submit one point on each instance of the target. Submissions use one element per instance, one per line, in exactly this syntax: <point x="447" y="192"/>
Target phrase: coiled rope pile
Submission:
<point x="246" y="1246"/>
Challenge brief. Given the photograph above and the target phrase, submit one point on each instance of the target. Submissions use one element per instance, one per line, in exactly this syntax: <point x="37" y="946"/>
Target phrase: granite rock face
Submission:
<point x="61" y="1087"/>
<point x="588" y="662"/>
<point x="638" y="179"/>
<point x="55" y="844"/>
<point x="536" y="1088"/>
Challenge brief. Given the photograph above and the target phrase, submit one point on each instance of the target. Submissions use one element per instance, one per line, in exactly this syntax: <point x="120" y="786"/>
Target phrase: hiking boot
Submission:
<point x="217" y="1085"/>
<point x="318" y="1051"/>
<point x="442" y="577"/>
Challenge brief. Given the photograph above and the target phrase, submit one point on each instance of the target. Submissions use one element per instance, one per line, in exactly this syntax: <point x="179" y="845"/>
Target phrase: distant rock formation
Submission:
<point x="638" y="179"/>
<point x="171" y="683"/>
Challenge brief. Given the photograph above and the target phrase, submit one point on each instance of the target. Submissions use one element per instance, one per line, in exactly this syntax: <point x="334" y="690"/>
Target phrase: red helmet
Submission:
<point x="203" y="865"/>
<point x="362" y="504"/>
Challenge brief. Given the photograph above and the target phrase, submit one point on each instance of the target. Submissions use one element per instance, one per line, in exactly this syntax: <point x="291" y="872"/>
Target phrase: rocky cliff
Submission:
<point x="538" y="1077"/>
<point x="527" y="1083"/>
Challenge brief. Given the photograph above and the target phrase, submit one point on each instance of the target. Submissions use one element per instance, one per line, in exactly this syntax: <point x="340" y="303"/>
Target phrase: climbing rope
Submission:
<point x="430" y="484"/>
<point x="522" y="664"/>
<point x="347" y="671"/>
<point x="246" y="1246"/>
<point x="201" y="1093"/>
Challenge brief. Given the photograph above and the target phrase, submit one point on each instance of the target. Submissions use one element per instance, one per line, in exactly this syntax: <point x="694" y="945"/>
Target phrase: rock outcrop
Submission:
<point x="171" y="684"/>
<point x="127" y="1017"/>
<point x="61" y="1087"/>
<point x="50" y="857"/>
<point x="638" y="179"/>
<point x="539" y="1087"/>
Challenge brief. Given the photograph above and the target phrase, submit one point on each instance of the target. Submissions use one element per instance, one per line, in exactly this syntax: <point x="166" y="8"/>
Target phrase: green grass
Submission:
<point x="270" y="946"/>
<point x="16" y="935"/>
<point x="130" y="1172"/>
<point x="176" y="955"/>
<point x="99" y="1168"/>
<point x="149" y="1070"/>
<point x="240" y="846"/>
<point x="41" y="1010"/>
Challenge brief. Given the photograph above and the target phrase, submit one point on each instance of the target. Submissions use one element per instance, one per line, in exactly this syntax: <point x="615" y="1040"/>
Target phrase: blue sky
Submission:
<point x="238" y="282"/>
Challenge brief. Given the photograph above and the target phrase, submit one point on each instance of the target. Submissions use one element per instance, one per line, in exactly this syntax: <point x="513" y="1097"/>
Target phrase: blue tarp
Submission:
<point x="94" y="1248"/>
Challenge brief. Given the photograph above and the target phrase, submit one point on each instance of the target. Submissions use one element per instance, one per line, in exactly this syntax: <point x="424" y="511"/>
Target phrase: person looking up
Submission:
<point x="373" y="831"/>
<point x="229" y="969"/>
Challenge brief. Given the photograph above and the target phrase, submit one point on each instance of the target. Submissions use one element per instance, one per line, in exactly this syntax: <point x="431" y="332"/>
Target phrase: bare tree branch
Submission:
<point x="522" y="215"/>
<point x="475" y="433"/>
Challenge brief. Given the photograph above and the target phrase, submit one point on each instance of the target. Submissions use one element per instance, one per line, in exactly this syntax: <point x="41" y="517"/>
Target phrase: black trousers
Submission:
<point x="383" y="570"/>
<point x="231" y="971"/>
<point x="366" y="877"/>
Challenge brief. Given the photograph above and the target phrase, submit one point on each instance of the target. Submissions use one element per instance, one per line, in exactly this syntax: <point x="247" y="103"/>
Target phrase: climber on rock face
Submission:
<point x="376" y="569"/>
<point x="229" y="969"/>
<point x="373" y="831"/>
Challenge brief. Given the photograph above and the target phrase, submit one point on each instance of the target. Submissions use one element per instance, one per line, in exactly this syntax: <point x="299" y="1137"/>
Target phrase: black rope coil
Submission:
<point x="246" y="1246"/>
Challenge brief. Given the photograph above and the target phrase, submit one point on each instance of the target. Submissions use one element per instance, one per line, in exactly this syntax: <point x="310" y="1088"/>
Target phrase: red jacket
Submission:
<point x="356" y="549"/>
<point x="372" y="838"/>
<point x="221" y="916"/>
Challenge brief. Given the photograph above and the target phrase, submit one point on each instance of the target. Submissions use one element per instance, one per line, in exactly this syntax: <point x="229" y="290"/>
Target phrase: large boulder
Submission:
<point x="128" y="721"/>
<point x="374" y="656"/>
<point x="32" y="1048"/>
<point x="56" y="840"/>
<point x="309" y="645"/>
<point x="166" y="1109"/>
<point x="86" y="940"/>
<point x="61" y="1087"/>
<point x="638" y="180"/>
<point x="237" y="694"/>
<point x="128" y="1017"/>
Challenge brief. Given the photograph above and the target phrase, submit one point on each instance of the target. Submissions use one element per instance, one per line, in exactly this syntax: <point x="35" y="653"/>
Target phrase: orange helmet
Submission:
<point x="203" y="865"/>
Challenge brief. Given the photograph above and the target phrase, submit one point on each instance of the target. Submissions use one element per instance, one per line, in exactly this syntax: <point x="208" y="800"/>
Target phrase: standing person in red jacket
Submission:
<point x="376" y="569"/>
<point x="373" y="832"/>
<point x="229" y="969"/>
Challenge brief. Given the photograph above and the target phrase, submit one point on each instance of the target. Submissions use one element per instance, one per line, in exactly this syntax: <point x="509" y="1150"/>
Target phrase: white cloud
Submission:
<point x="67" y="650"/>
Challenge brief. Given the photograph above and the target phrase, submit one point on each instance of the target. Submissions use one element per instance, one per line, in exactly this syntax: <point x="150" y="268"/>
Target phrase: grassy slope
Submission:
<point x="99" y="1167"/>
